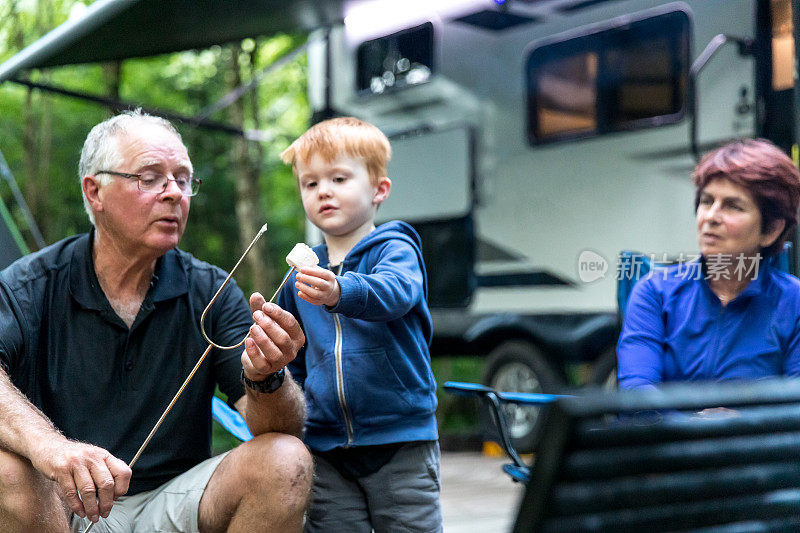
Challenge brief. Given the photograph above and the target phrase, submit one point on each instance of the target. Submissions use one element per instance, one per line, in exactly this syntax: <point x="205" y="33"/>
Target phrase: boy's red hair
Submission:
<point x="330" y="138"/>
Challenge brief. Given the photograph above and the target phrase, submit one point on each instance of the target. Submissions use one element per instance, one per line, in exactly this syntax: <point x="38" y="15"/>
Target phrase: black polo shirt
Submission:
<point x="67" y="350"/>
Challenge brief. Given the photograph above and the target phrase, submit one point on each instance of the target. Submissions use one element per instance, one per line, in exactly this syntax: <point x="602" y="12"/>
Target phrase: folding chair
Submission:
<point x="518" y="470"/>
<point x="632" y="267"/>
<point x="230" y="419"/>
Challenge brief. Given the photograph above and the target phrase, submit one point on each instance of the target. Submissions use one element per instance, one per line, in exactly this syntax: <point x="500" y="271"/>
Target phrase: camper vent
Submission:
<point x="580" y="5"/>
<point x="495" y="20"/>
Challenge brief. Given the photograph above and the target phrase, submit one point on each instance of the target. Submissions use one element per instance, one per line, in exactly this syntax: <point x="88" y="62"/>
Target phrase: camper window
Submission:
<point x="395" y="61"/>
<point x="617" y="79"/>
<point x="782" y="45"/>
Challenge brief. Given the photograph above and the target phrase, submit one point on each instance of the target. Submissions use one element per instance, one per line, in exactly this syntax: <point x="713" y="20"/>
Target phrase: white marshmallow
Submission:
<point x="301" y="256"/>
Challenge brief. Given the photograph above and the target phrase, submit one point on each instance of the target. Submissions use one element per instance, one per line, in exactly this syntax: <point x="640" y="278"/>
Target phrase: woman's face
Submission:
<point x="729" y="221"/>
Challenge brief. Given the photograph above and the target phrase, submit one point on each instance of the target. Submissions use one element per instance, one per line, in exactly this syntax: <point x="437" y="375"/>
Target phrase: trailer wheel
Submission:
<point x="518" y="366"/>
<point x="604" y="372"/>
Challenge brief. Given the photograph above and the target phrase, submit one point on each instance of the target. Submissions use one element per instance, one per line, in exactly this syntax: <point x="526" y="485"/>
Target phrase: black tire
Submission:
<point x="519" y="366"/>
<point x="604" y="370"/>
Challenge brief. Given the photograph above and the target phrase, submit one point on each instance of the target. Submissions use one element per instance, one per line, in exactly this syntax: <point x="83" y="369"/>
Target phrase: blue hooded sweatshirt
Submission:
<point x="365" y="368"/>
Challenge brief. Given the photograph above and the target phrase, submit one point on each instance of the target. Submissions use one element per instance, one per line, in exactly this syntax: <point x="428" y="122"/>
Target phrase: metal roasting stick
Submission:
<point x="285" y="279"/>
<point x="211" y="344"/>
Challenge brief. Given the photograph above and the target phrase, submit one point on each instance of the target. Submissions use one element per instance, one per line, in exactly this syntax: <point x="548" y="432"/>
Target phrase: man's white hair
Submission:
<point x="101" y="149"/>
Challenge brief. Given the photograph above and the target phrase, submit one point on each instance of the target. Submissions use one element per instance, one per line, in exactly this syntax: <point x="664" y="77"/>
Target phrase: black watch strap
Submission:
<point x="267" y="385"/>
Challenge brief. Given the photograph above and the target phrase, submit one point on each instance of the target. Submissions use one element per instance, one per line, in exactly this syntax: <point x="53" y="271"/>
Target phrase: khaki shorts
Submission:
<point x="172" y="507"/>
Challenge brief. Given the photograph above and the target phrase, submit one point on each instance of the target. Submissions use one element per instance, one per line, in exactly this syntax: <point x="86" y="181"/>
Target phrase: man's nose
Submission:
<point x="172" y="190"/>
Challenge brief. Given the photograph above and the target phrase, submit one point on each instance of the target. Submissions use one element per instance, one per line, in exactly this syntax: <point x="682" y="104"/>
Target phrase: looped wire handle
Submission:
<point x="216" y="295"/>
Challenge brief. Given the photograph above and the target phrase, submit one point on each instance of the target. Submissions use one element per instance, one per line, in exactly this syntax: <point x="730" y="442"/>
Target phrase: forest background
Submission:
<point x="244" y="182"/>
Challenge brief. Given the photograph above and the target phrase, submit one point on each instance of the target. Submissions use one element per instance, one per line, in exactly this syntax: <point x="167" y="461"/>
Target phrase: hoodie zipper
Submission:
<point x="337" y="350"/>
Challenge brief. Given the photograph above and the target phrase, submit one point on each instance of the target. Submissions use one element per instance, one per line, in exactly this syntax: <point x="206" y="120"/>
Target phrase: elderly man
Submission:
<point x="98" y="331"/>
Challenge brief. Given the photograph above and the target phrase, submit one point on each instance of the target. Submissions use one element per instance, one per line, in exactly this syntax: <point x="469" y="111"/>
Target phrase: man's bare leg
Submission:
<point x="28" y="501"/>
<point x="262" y="485"/>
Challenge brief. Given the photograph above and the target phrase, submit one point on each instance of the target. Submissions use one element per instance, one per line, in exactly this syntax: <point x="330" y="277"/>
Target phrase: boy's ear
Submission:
<point x="382" y="191"/>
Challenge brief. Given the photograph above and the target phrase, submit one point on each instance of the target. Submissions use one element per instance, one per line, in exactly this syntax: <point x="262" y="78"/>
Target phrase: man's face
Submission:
<point x="145" y="222"/>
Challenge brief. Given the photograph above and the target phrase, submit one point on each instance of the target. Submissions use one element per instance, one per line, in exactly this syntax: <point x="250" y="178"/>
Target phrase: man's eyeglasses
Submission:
<point x="156" y="182"/>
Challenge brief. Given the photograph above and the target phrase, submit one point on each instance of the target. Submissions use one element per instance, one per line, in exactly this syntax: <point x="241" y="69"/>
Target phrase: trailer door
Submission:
<point x="432" y="189"/>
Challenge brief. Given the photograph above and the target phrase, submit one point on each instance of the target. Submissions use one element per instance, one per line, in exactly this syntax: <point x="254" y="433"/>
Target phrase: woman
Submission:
<point x="729" y="315"/>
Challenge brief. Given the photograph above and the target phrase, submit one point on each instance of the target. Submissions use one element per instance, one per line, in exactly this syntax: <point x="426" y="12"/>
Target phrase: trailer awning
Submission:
<point x="120" y="29"/>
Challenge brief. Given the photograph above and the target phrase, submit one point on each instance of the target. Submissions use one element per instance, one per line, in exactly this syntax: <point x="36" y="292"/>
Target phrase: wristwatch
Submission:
<point x="269" y="384"/>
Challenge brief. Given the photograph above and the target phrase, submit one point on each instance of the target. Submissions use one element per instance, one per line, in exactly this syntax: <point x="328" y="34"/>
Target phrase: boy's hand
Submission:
<point x="317" y="286"/>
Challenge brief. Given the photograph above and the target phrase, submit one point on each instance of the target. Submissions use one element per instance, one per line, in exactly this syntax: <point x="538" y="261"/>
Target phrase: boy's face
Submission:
<point x="338" y="196"/>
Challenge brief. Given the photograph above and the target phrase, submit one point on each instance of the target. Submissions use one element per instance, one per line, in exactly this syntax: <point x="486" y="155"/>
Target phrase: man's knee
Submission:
<point x="281" y="464"/>
<point x="20" y="483"/>
<point x="264" y="480"/>
<point x="27" y="498"/>
<point x="16" y="473"/>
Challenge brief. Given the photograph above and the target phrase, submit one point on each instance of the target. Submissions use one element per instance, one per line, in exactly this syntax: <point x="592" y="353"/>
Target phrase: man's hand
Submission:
<point x="90" y="478"/>
<point x="274" y="339"/>
<point x="318" y="286"/>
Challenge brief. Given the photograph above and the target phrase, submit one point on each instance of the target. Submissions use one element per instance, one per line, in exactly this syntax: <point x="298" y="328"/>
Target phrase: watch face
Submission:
<point x="269" y="384"/>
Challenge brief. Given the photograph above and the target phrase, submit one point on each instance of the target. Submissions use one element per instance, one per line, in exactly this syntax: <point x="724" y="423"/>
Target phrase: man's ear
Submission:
<point x="382" y="191"/>
<point x="773" y="232"/>
<point x="91" y="190"/>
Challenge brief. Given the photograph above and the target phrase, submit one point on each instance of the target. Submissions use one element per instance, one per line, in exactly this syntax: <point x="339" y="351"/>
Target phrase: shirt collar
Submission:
<point x="756" y="287"/>
<point x="169" y="279"/>
<point x="83" y="283"/>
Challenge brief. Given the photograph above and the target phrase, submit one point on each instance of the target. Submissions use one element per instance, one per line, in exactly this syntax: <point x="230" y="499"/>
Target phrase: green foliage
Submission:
<point x="45" y="166"/>
<point x="184" y="83"/>
<point x="457" y="415"/>
<point x="221" y="439"/>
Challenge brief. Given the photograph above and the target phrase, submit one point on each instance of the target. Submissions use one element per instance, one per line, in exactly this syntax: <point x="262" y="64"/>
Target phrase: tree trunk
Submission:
<point x="45" y="155"/>
<point x="30" y="169"/>
<point x="112" y="72"/>
<point x="37" y="140"/>
<point x="30" y="166"/>
<point x="256" y="152"/>
<point x="47" y="18"/>
<point x="248" y="212"/>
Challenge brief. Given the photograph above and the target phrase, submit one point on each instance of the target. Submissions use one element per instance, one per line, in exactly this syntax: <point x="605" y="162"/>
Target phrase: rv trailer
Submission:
<point x="535" y="140"/>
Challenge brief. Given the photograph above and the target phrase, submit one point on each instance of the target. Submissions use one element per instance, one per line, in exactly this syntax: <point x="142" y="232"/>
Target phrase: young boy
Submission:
<point x="366" y="367"/>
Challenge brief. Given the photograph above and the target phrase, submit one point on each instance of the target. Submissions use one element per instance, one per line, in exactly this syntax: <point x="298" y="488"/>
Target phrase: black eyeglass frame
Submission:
<point x="194" y="182"/>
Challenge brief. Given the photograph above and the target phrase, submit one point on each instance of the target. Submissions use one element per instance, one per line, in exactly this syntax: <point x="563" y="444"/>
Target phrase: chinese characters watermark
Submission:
<point x="592" y="266"/>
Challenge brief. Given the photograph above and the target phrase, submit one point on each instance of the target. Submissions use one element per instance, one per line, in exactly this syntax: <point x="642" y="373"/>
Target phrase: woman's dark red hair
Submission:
<point x="766" y="172"/>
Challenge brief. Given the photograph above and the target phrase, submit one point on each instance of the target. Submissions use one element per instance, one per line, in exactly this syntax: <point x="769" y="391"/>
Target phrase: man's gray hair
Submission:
<point x="101" y="151"/>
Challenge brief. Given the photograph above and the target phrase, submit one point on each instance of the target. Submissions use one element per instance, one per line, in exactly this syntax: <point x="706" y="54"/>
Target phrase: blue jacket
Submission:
<point x="366" y="368"/>
<point x="676" y="329"/>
